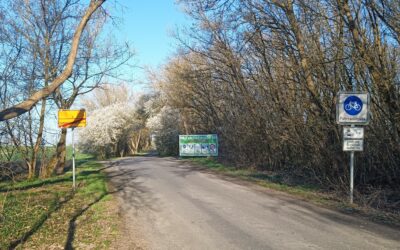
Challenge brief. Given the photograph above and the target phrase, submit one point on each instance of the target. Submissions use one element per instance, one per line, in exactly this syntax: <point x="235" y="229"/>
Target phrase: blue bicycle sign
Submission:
<point x="352" y="108"/>
<point x="353" y="105"/>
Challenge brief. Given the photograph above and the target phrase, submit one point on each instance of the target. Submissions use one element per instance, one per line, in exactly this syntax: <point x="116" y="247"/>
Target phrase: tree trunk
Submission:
<point x="33" y="160"/>
<point x="57" y="162"/>
<point x="138" y="140"/>
<point x="61" y="152"/>
<point x="31" y="170"/>
<point x="318" y="107"/>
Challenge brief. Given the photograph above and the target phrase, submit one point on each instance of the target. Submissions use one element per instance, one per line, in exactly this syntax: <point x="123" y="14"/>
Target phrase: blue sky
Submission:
<point x="147" y="25"/>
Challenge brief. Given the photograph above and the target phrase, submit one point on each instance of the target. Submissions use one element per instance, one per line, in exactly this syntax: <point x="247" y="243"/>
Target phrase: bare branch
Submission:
<point x="28" y="104"/>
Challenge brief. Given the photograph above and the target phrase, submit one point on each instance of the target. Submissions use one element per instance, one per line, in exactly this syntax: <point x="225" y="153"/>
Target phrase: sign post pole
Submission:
<point x="73" y="161"/>
<point x="352" y="173"/>
<point x="352" y="141"/>
<point x="351" y="176"/>
<point x="353" y="109"/>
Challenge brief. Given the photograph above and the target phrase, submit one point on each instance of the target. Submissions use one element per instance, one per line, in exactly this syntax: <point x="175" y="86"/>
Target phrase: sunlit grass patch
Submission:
<point x="24" y="211"/>
<point x="41" y="213"/>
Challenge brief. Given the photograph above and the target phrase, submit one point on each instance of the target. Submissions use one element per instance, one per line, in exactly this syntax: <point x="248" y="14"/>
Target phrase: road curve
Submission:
<point x="171" y="205"/>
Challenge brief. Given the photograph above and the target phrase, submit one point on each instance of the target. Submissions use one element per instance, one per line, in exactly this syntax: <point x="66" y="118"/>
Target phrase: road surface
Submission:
<point x="168" y="204"/>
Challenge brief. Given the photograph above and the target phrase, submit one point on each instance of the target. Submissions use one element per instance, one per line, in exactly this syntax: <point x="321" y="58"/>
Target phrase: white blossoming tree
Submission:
<point x="104" y="130"/>
<point x="116" y="122"/>
<point x="165" y="126"/>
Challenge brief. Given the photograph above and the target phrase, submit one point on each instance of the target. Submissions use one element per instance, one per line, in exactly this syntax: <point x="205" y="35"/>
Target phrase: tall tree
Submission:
<point x="44" y="29"/>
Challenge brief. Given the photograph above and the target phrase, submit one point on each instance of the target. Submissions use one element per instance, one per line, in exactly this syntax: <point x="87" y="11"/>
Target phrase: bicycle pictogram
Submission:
<point x="353" y="105"/>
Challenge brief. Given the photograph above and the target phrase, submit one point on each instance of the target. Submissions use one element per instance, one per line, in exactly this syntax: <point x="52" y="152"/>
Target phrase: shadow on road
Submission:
<point x="124" y="178"/>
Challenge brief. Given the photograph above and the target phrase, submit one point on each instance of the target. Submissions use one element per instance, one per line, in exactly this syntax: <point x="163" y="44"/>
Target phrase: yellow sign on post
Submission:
<point x="71" y="118"/>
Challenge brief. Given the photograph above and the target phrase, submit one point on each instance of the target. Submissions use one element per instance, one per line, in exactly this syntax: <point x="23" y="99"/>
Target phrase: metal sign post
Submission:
<point x="73" y="161"/>
<point x="352" y="109"/>
<point x="351" y="174"/>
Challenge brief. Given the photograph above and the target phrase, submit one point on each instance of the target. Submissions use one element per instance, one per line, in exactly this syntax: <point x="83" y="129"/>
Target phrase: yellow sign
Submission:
<point x="71" y="118"/>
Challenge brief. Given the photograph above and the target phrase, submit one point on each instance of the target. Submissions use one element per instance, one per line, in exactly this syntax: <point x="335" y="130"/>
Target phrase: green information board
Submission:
<point x="198" y="145"/>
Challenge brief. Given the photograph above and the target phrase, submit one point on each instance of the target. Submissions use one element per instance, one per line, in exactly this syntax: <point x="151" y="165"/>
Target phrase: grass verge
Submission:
<point x="42" y="214"/>
<point x="313" y="194"/>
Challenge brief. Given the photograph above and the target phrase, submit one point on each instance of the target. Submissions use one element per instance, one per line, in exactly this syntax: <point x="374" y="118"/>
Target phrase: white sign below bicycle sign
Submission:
<point x="353" y="145"/>
<point x="352" y="108"/>
<point x="353" y="133"/>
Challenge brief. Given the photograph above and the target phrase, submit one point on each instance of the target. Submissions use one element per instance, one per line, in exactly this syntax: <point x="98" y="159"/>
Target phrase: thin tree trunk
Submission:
<point x="138" y="140"/>
<point x="38" y="143"/>
<point x="304" y="61"/>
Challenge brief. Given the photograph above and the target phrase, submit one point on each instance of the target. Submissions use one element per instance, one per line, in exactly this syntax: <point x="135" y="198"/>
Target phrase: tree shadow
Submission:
<point x="307" y="213"/>
<point x="72" y="222"/>
<point x="120" y="180"/>
<point x="301" y="207"/>
<point x="36" y="184"/>
<point x="127" y="176"/>
<point x="39" y="223"/>
<point x="59" y="204"/>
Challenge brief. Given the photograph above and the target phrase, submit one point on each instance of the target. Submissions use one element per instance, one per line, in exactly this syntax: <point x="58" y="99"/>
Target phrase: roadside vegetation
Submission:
<point x="38" y="214"/>
<point x="51" y="54"/>
<point x="264" y="76"/>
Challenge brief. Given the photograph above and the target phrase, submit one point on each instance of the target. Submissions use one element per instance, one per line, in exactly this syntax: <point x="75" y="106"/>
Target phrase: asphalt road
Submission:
<point x="167" y="204"/>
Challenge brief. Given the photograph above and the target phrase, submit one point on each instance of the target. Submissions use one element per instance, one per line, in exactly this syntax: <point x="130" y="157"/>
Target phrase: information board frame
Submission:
<point x="198" y="145"/>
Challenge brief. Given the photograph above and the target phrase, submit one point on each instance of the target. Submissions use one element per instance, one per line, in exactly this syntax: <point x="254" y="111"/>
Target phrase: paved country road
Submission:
<point x="168" y="204"/>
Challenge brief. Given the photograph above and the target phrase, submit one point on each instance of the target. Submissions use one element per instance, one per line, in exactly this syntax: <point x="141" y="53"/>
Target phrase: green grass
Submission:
<point x="79" y="156"/>
<point x="35" y="214"/>
<point x="269" y="180"/>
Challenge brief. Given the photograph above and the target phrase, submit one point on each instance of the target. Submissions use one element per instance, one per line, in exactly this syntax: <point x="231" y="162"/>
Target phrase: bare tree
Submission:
<point x="44" y="30"/>
<point x="27" y="104"/>
<point x="98" y="60"/>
